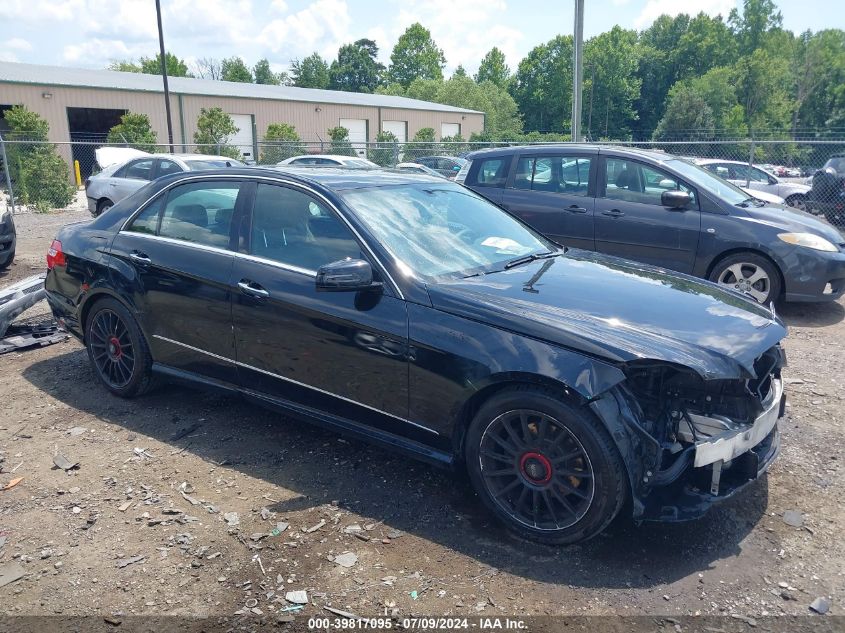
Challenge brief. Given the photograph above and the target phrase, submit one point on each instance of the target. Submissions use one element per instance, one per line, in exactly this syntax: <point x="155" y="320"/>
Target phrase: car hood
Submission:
<point x="793" y="221"/>
<point x="620" y="311"/>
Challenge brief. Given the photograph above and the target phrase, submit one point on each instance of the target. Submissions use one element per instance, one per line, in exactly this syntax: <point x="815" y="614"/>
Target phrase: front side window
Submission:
<point x="434" y="230"/>
<point x="200" y="213"/>
<point x="293" y="228"/>
<point x="493" y="172"/>
<point x="140" y="170"/>
<point x="631" y="181"/>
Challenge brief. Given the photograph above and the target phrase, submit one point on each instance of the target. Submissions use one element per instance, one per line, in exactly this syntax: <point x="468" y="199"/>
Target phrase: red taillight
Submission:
<point x="55" y="256"/>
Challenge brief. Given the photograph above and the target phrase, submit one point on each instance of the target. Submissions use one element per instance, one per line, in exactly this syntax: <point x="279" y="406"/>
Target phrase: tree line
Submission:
<point x="684" y="77"/>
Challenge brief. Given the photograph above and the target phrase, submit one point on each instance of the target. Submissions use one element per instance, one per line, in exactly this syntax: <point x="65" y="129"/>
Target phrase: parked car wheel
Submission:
<point x="104" y="205"/>
<point x="797" y="201"/>
<point x="8" y="262"/>
<point x="548" y="470"/>
<point x="749" y="273"/>
<point x="117" y="349"/>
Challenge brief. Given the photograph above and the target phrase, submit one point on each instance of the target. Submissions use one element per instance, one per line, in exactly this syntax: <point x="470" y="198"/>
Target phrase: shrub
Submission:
<point x="134" y="130"/>
<point x="453" y="145"/>
<point x="39" y="174"/>
<point x="423" y="144"/>
<point x="214" y="129"/>
<point x="386" y="150"/>
<point x="340" y="142"/>
<point x="280" y="142"/>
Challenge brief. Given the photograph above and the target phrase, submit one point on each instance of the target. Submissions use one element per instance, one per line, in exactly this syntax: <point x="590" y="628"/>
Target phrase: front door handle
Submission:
<point x="142" y="259"/>
<point x="614" y="213"/>
<point x="252" y="289"/>
<point x="574" y="208"/>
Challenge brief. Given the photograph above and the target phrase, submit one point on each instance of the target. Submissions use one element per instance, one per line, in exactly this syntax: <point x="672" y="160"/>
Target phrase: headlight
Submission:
<point x="809" y="240"/>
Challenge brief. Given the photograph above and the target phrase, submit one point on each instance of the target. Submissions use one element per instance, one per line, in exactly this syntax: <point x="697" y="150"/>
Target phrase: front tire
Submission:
<point x="797" y="201"/>
<point x="117" y="349"/>
<point x="548" y="470"/>
<point x="750" y="274"/>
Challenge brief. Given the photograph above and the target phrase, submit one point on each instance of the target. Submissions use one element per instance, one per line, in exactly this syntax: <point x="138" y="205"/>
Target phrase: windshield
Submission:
<point x="199" y="165"/>
<point x="708" y="181"/>
<point x="358" y="163"/>
<point x="435" y="230"/>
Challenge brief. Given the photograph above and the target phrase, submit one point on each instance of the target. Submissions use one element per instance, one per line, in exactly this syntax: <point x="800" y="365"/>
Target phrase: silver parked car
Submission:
<point x="329" y="160"/>
<point x="739" y="173"/>
<point x="117" y="181"/>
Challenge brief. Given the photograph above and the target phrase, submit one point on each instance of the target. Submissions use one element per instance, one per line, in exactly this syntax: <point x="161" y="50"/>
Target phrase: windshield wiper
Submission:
<point x="533" y="257"/>
<point x="750" y="200"/>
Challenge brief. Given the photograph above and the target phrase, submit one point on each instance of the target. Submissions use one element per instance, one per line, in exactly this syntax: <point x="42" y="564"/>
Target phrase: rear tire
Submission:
<point x="118" y="350"/>
<point x="751" y="274"/>
<point x="104" y="205"/>
<point x="8" y="261"/>
<point x="548" y="470"/>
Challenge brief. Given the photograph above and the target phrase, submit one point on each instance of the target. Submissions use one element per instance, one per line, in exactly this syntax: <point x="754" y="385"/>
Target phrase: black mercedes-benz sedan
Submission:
<point x="409" y="311"/>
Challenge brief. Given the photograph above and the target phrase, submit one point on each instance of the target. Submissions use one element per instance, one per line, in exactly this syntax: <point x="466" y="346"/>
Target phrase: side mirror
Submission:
<point x="675" y="199"/>
<point x="346" y="275"/>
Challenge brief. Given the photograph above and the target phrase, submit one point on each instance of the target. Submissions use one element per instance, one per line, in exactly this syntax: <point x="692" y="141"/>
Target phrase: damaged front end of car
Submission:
<point x="691" y="441"/>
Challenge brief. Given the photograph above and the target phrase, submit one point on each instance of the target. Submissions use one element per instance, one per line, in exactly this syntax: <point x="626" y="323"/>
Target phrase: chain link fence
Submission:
<point x="39" y="176"/>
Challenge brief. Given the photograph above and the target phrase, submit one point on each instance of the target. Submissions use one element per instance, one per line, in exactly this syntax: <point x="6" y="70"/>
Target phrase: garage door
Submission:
<point x="449" y="129"/>
<point x="399" y="129"/>
<point x="243" y="139"/>
<point x="357" y="134"/>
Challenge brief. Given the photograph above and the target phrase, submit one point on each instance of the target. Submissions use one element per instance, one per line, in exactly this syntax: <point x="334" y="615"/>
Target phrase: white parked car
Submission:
<point x="754" y="178"/>
<point x="329" y="160"/>
<point x="762" y="195"/>
<point x="416" y="168"/>
<point x="126" y="170"/>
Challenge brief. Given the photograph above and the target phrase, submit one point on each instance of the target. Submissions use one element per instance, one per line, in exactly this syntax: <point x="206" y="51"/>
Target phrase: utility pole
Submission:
<point x="578" y="71"/>
<point x="164" y="77"/>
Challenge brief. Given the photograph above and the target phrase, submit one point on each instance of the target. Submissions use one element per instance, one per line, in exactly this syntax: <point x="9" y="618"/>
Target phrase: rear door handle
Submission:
<point x="142" y="259"/>
<point x="576" y="209"/>
<point x="252" y="289"/>
<point x="614" y="213"/>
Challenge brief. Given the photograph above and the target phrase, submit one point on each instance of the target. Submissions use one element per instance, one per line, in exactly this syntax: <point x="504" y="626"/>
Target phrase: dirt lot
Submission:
<point x="158" y="478"/>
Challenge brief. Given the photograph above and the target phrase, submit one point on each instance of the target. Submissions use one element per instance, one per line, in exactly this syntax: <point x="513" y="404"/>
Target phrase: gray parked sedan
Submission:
<point x="118" y="181"/>
<point x="659" y="209"/>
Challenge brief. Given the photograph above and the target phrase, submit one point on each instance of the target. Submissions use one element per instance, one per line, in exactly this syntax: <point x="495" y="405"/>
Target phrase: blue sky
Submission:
<point x="90" y="33"/>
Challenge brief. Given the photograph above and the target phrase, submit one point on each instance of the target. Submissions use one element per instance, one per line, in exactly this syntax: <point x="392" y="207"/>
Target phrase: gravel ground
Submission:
<point x="173" y="507"/>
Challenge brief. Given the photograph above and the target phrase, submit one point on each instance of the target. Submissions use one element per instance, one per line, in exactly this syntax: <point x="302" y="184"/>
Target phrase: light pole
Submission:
<point x="164" y="77"/>
<point x="577" y="70"/>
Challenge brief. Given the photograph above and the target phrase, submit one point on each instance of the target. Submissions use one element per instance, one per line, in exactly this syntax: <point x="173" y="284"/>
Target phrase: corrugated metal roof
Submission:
<point x="90" y="78"/>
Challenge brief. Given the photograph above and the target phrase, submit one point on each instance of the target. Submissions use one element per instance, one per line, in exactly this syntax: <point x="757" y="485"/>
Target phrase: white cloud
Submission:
<point x="8" y="56"/>
<point x="279" y="6"/>
<point x="41" y="10"/>
<point x="17" y="43"/>
<point x="98" y="52"/>
<point x="465" y="30"/>
<point x="323" y="26"/>
<point x="655" y="8"/>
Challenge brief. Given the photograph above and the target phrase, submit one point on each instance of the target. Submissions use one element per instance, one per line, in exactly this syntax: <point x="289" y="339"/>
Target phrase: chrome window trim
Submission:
<point x="273" y="180"/>
<point x="291" y="380"/>
<point x="224" y="251"/>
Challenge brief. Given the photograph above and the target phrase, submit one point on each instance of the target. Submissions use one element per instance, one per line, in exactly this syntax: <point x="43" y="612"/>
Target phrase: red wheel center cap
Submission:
<point x="536" y="467"/>
<point x="115" y="351"/>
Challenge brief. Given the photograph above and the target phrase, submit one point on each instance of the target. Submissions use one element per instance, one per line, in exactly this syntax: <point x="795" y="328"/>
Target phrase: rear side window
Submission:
<point x="167" y="167"/>
<point x="492" y="172"/>
<point x="140" y="169"/>
<point x="200" y="213"/>
<point x="556" y="174"/>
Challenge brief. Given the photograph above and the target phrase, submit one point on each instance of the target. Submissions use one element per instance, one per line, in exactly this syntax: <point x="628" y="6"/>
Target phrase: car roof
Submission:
<point x="331" y="156"/>
<point x="332" y="178"/>
<point x="556" y="148"/>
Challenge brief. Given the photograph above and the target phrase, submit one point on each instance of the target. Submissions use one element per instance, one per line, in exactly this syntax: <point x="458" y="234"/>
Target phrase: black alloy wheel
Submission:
<point x="536" y="470"/>
<point x="545" y="465"/>
<point x="117" y="349"/>
<point x="113" y="353"/>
